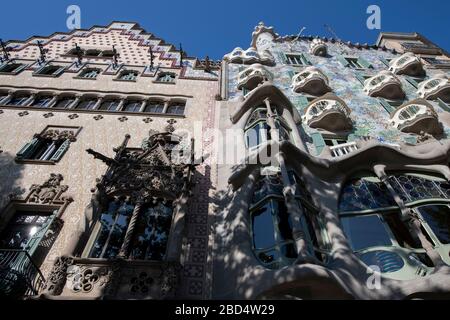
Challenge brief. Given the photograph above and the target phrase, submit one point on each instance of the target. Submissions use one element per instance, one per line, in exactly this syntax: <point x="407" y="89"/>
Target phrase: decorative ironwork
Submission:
<point x="19" y="275"/>
<point x="150" y="50"/>
<point x="115" y="56"/>
<point x="5" y="56"/>
<point x="42" y="52"/>
<point x="79" y="53"/>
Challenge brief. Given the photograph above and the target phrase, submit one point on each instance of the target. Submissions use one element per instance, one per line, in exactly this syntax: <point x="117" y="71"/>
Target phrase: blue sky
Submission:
<point x="215" y="27"/>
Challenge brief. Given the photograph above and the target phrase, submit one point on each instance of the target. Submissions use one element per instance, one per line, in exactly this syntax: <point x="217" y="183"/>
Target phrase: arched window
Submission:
<point x="87" y="104"/>
<point x="132" y="106"/>
<point x="42" y="101"/>
<point x="154" y="107"/>
<point x="18" y="100"/>
<point x="176" y="108"/>
<point x="374" y="227"/>
<point x="109" y="105"/>
<point x="64" y="102"/>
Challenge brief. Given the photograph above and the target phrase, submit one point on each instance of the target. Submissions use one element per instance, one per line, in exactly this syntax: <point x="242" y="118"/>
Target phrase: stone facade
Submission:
<point x="103" y="131"/>
<point x="112" y="155"/>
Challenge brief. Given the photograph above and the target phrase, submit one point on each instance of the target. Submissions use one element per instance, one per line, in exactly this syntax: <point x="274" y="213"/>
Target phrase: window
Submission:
<point x="12" y="68"/>
<point x="50" y="70"/>
<point x="22" y="228"/>
<point x="49" y="145"/>
<point x="154" y="107"/>
<point x="64" y="102"/>
<point x="390" y="105"/>
<point x="132" y="106"/>
<point x="373" y="225"/>
<point x="176" y="108"/>
<point x="3" y="95"/>
<point x="166" y="77"/>
<point x="108" y="54"/>
<point x="296" y="59"/>
<point x="42" y="101"/>
<point x="354" y="63"/>
<point x="334" y="141"/>
<point x="258" y="131"/>
<point x="128" y="75"/>
<point x="110" y="105"/>
<point x="18" y="100"/>
<point x="271" y="223"/>
<point x="87" y="104"/>
<point x="92" y="53"/>
<point x="90" y="73"/>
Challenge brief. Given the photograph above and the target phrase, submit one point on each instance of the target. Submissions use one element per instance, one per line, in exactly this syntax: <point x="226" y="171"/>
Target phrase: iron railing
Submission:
<point x="19" y="275"/>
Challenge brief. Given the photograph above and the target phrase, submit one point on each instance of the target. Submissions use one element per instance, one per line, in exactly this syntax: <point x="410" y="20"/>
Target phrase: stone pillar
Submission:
<point x="121" y="104"/>
<point x="143" y="105"/>
<point x="75" y="102"/>
<point x="52" y="102"/>
<point x="98" y="103"/>
<point x="295" y="210"/>
<point x="271" y="122"/>
<point x="124" y="250"/>
<point x="30" y="100"/>
<point x="410" y="218"/>
<point x="166" y="106"/>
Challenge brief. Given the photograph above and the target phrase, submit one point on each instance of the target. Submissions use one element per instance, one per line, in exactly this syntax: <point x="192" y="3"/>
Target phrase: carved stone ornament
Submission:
<point x="169" y="280"/>
<point x="57" y="278"/>
<point x="49" y="192"/>
<point x="160" y="169"/>
<point x="55" y="135"/>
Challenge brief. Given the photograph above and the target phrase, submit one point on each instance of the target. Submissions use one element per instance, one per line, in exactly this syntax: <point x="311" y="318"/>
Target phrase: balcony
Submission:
<point x="328" y="113"/>
<point x="385" y="85"/>
<point x="436" y="87"/>
<point x="318" y="48"/>
<point x="312" y="81"/>
<point x="408" y="64"/>
<point x="417" y="117"/>
<point x="250" y="56"/>
<point x="251" y="77"/>
<point x="343" y="149"/>
<point x="94" y="279"/>
<point x="19" y="275"/>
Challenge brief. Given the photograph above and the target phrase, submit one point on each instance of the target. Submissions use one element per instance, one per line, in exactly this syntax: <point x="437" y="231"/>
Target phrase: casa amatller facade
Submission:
<point x="105" y="195"/>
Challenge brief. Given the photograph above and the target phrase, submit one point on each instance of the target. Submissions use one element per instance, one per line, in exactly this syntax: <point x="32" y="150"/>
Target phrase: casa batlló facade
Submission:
<point x="108" y="192"/>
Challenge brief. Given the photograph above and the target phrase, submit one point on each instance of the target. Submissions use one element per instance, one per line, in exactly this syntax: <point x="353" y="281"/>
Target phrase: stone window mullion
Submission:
<point x="124" y="250"/>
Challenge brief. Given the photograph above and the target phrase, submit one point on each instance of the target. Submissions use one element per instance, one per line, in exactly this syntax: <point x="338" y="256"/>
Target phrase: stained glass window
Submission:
<point x="414" y="187"/>
<point x="365" y="194"/>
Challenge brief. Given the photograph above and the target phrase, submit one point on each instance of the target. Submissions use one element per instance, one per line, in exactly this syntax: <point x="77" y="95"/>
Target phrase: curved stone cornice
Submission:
<point x="261" y="28"/>
<point x="385" y="84"/>
<point x="436" y="87"/>
<point x="370" y="154"/>
<point x="417" y="116"/>
<point x="328" y="112"/>
<point x="312" y="81"/>
<point x="257" y="97"/>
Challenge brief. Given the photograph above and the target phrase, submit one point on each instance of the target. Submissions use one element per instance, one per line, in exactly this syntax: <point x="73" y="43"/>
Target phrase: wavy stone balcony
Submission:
<point x="250" y="56"/>
<point x="251" y="77"/>
<point x="318" y="48"/>
<point x="436" y="87"/>
<point x="408" y="64"/>
<point x="417" y="117"/>
<point x="385" y="85"/>
<point x="312" y="81"/>
<point x="328" y="113"/>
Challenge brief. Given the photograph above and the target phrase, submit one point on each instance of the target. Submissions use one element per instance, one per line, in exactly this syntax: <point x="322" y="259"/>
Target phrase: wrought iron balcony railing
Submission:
<point x="19" y="275"/>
